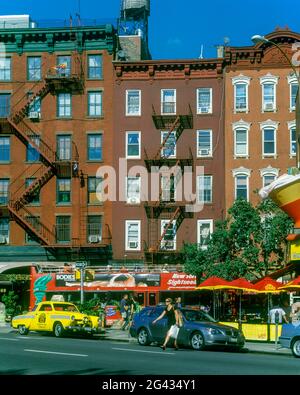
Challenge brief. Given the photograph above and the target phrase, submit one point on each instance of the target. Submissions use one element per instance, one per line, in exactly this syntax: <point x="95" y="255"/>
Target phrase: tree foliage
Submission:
<point x="249" y="243"/>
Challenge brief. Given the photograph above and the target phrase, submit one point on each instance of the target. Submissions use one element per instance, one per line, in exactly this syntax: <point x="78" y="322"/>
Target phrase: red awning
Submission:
<point x="268" y="285"/>
<point x="213" y="283"/>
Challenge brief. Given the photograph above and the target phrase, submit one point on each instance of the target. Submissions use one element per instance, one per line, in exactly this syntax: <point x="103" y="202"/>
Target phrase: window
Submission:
<point x="293" y="140"/>
<point x="204" y="231"/>
<point x="204" y="143"/>
<point x="4" y="230"/>
<point x="269" y="143"/>
<point x="241" y="186"/>
<point x="268" y="179"/>
<point x="63" y="191"/>
<point x="34" y="71"/>
<point x="293" y="96"/>
<point x="34" y="108"/>
<point x="169" y="148"/>
<point x="168" y="188"/>
<point x="64" y="147"/>
<point x="5" y="69"/>
<point x="4" y="105"/>
<point x="4" y="149"/>
<point x="4" y="182"/>
<point x="64" y="65"/>
<point x="63" y="229"/>
<point x="35" y="197"/>
<point x="94" y="230"/>
<point x="204" y="100"/>
<point x="32" y="155"/>
<point x="241" y="142"/>
<point x="95" y="104"/>
<point x="35" y="223"/>
<point x="94" y="147"/>
<point x="95" y="66"/>
<point x="94" y="190"/>
<point x="64" y="107"/>
<point x="269" y="103"/>
<point x="168" y="230"/>
<point x="205" y="189"/>
<point x="133" y="190"/>
<point x="241" y="84"/>
<point x="133" y="145"/>
<point x="133" y="235"/>
<point x="168" y="101"/>
<point x="133" y="102"/>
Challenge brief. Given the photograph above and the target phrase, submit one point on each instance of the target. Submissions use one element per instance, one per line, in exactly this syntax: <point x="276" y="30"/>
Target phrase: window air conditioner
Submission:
<point x="133" y="244"/>
<point x="167" y="245"/>
<point x="3" y="240"/>
<point x="269" y="107"/>
<point x="34" y="115"/>
<point x="94" y="239"/>
<point x="204" y="152"/>
<point x="204" y="110"/>
<point x="133" y="200"/>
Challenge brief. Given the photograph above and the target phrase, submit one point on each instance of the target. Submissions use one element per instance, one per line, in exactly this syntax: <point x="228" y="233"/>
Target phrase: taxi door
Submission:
<point x="41" y="321"/>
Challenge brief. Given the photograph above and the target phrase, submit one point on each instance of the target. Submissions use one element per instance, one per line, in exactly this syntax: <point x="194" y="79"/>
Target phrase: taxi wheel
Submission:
<point x="58" y="329"/>
<point x="296" y="348"/>
<point x="23" y="330"/>
<point x="197" y="341"/>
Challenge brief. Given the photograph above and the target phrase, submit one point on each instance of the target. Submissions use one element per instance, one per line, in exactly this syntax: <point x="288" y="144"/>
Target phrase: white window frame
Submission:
<point x="133" y="199"/>
<point x="292" y="80"/>
<point x="269" y="125"/>
<point x="200" y="222"/>
<point x="210" y="151"/>
<point x="126" y="144"/>
<point x="164" y="222"/>
<point x="210" y="108"/>
<point x="127" y="224"/>
<point x="6" y="70"/>
<point x="291" y="126"/>
<point x="268" y="79"/>
<point x="237" y="126"/>
<point x="161" y="141"/>
<point x="162" y="102"/>
<point x="138" y="114"/>
<point x="241" y="79"/>
<point x="211" y="188"/>
<point x="241" y="171"/>
<point x="166" y="192"/>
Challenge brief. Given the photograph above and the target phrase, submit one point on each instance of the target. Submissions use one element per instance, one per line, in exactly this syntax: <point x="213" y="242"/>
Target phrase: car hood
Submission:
<point x="214" y="325"/>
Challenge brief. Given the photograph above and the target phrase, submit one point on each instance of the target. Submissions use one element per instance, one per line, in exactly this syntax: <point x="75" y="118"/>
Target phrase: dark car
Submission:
<point x="199" y="329"/>
<point x="290" y="337"/>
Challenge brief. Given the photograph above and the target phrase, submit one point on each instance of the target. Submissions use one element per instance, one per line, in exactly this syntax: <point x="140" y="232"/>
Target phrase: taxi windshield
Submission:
<point x="64" y="307"/>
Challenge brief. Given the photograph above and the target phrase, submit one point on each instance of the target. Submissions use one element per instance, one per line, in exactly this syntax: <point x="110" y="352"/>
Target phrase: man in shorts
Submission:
<point x="124" y="306"/>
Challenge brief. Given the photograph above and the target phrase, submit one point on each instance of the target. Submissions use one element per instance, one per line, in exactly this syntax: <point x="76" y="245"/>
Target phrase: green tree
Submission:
<point x="249" y="243"/>
<point x="10" y="301"/>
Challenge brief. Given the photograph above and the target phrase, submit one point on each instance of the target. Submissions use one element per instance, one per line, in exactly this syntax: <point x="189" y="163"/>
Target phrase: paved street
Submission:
<point x="40" y="354"/>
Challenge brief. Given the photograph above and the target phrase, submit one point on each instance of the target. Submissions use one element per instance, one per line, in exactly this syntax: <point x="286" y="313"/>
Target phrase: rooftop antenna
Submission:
<point x="226" y="41"/>
<point x="201" y="53"/>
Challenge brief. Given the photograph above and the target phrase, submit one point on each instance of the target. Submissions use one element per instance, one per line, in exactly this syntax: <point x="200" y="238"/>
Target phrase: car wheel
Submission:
<point x="143" y="337"/>
<point x="23" y="330"/>
<point x="296" y="348"/>
<point x="58" y="329"/>
<point x="197" y="341"/>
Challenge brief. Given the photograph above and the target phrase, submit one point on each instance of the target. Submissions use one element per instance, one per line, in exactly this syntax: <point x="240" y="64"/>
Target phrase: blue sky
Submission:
<point x="177" y="29"/>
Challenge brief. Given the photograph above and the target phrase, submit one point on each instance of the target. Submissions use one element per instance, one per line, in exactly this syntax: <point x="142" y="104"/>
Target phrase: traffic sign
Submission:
<point x="80" y="264"/>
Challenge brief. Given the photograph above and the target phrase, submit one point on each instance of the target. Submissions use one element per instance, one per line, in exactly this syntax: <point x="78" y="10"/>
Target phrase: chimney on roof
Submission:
<point x="220" y="51"/>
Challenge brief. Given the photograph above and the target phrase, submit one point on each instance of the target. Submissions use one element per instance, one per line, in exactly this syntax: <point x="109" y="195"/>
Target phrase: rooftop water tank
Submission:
<point x="134" y="5"/>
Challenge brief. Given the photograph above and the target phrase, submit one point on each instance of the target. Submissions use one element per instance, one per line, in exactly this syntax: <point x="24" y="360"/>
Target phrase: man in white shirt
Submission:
<point x="276" y="310"/>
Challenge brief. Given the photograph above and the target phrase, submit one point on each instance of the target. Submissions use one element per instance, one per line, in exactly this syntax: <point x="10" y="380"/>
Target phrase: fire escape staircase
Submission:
<point x="20" y="195"/>
<point x="171" y="210"/>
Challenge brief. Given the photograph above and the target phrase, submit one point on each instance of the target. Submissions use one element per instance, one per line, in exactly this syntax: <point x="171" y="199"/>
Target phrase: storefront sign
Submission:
<point x="179" y="281"/>
<point x="62" y="278"/>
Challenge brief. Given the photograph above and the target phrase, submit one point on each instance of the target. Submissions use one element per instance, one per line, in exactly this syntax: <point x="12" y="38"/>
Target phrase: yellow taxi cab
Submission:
<point x="56" y="317"/>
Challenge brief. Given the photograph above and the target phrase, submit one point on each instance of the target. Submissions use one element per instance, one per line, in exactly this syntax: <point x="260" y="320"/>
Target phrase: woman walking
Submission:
<point x="173" y="318"/>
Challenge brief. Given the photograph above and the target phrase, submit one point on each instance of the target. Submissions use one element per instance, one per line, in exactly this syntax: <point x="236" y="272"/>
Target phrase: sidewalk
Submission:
<point x="124" y="336"/>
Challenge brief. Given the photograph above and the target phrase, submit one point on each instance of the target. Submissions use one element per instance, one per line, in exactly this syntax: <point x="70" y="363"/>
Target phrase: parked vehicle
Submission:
<point x="199" y="329"/>
<point x="290" y="337"/>
<point x="56" y="317"/>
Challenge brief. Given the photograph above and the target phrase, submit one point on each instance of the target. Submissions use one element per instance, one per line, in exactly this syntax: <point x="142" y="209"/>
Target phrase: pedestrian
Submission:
<point x="178" y="303"/>
<point x="275" y="312"/>
<point x="124" y="306"/>
<point x="172" y="323"/>
<point x="287" y="309"/>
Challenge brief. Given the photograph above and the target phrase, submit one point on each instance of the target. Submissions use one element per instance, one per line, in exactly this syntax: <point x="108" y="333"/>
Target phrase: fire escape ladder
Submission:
<point x="32" y="224"/>
<point x="175" y="125"/>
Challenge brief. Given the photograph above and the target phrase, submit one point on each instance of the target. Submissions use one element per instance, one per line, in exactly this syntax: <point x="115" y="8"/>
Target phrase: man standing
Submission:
<point x="124" y="306"/>
<point x="277" y="312"/>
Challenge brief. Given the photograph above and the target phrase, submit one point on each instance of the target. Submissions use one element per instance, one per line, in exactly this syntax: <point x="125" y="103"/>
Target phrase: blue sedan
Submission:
<point x="199" y="329"/>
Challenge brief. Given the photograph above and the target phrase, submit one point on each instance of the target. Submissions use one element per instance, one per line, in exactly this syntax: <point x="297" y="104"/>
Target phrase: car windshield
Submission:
<point x="195" y="315"/>
<point x="65" y="307"/>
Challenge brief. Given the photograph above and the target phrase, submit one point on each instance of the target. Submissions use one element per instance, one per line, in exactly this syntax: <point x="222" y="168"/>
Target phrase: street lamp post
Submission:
<point x="256" y="39"/>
